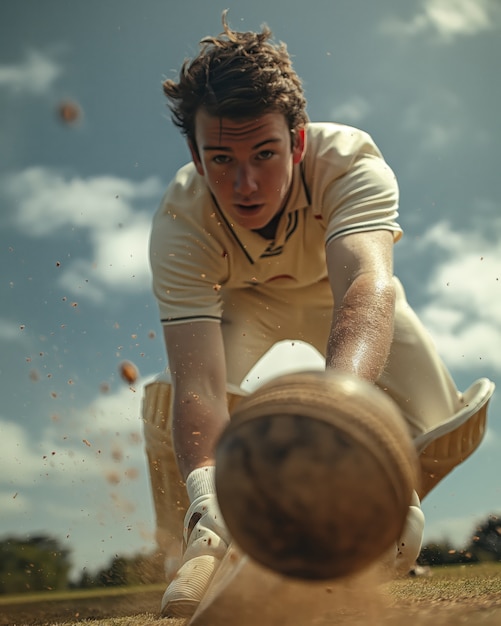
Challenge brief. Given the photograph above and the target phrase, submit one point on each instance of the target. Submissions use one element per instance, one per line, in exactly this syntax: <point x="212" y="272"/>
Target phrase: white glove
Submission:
<point x="409" y="544"/>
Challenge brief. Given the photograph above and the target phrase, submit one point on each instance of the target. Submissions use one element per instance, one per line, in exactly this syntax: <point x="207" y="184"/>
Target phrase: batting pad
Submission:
<point x="169" y="494"/>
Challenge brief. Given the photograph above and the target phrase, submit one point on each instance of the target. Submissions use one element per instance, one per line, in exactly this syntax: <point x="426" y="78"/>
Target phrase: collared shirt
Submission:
<point x="342" y="186"/>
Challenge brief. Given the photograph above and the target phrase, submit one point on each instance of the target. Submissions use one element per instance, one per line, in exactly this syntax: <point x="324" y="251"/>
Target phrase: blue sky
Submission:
<point x="77" y="200"/>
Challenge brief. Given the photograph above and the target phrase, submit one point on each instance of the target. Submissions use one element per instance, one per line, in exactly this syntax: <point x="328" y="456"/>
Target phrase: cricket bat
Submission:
<point x="236" y="578"/>
<point x="245" y="593"/>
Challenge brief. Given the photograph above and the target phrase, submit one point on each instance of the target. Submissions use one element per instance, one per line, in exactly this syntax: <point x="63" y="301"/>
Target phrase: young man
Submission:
<point x="278" y="229"/>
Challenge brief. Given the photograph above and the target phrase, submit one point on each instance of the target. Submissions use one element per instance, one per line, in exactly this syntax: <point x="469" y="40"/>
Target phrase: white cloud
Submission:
<point x="114" y="412"/>
<point x="84" y="479"/>
<point x="459" y="17"/>
<point x="352" y="111"/>
<point x="120" y="261"/>
<point x="106" y="208"/>
<point x="48" y="200"/>
<point x="464" y="295"/>
<point x="491" y="439"/>
<point x="34" y="75"/>
<point x="102" y="440"/>
<point x="9" y="331"/>
<point x="20" y="460"/>
<point x="447" y="19"/>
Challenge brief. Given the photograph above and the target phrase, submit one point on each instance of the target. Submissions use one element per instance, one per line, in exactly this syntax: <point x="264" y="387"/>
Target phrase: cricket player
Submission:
<point x="279" y="228"/>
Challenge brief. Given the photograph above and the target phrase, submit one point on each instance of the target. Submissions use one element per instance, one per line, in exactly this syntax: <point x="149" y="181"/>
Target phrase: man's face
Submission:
<point x="247" y="164"/>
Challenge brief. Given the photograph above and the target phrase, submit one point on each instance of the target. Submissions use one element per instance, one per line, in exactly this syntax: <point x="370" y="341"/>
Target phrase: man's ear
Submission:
<point x="299" y="147"/>
<point x="195" y="156"/>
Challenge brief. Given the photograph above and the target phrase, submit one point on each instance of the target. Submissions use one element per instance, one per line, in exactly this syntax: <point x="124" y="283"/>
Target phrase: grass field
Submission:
<point x="450" y="596"/>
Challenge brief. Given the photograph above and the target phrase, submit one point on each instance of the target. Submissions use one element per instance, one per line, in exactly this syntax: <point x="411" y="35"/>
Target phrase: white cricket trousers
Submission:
<point x="254" y="319"/>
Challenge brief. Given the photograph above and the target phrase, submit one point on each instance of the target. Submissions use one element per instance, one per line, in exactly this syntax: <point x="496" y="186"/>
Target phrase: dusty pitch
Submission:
<point x="452" y="596"/>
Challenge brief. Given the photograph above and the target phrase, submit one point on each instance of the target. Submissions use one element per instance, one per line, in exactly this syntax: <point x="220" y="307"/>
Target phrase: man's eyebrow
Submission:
<point x="258" y="145"/>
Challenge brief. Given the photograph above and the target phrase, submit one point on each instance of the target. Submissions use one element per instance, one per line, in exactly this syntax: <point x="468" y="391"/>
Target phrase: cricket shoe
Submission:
<point x="206" y="540"/>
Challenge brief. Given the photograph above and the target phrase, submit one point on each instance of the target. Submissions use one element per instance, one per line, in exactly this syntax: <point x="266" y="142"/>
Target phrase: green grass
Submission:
<point x="77" y="594"/>
<point x="142" y="620"/>
<point x="451" y="583"/>
<point x="449" y="596"/>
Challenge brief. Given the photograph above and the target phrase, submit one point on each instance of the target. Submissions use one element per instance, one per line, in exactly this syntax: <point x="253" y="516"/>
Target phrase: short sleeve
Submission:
<point x="188" y="265"/>
<point x="365" y="198"/>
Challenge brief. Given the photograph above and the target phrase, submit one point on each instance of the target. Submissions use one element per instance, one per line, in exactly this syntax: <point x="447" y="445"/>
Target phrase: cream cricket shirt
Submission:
<point x="342" y="186"/>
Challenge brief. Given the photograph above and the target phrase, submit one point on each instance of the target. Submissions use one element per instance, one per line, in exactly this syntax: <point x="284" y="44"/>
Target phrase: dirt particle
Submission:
<point x="113" y="478"/>
<point x="117" y="454"/>
<point x="128" y="372"/>
<point x="69" y="112"/>
<point x="132" y="473"/>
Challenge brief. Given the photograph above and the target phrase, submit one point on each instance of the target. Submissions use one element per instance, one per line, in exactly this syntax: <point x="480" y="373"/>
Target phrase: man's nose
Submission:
<point x="245" y="180"/>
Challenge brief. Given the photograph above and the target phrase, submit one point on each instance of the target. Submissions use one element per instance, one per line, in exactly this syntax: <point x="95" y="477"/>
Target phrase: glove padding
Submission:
<point x="409" y="544"/>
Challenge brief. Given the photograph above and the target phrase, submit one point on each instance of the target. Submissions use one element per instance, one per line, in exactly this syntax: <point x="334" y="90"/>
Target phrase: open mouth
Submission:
<point x="248" y="207"/>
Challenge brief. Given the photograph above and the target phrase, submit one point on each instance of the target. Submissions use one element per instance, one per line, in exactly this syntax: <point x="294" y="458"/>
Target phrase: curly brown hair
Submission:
<point x="238" y="76"/>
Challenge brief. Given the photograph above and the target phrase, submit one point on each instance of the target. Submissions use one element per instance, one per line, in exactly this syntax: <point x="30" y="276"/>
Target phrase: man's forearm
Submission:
<point x="197" y="426"/>
<point x="362" y="328"/>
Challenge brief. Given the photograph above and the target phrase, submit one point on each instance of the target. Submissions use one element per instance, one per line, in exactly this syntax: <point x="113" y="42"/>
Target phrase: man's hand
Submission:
<point x="360" y="269"/>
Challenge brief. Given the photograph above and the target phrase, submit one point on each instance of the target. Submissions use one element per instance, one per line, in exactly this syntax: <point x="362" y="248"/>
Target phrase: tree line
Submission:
<point x="484" y="545"/>
<point x="40" y="563"/>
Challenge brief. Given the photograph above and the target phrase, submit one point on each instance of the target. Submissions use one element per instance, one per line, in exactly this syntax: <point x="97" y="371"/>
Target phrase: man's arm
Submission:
<point x="197" y="364"/>
<point x="360" y="267"/>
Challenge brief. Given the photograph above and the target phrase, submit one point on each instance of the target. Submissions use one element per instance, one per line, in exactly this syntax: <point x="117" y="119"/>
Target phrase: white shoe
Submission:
<point x="206" y="541"/>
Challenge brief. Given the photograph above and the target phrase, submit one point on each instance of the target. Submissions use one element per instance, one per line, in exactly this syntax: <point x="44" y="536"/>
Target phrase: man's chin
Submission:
<point x="253" y="219"/>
